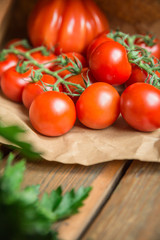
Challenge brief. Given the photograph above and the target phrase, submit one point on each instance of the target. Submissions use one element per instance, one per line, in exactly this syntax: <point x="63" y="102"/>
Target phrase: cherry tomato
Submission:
<point x="98" y="106"/>
<point x="140" y="104"/>
<point x="68" y="24"/>
<point x="154" y="50"/>
<point x="137" y="75"/>
<point x="73" y="56"/>
<point x="79" y="79"/>
<point x="13" y="83"/>
<point x="19" y="47"/>
<point x="32" y="90"/>
<point x="44" y="59"/>
<point x="10" y="61"/>
<point x="109" y="63"/>
<point x="96" y="42"/>
<point x="52" y="113"/>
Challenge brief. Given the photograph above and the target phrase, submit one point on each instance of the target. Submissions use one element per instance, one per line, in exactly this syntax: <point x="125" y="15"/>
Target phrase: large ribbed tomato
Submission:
<point x="68" y="24"/>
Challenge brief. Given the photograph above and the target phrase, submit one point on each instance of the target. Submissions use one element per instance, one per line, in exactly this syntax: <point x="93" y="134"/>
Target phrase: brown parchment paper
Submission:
<point x="82" y="145"/>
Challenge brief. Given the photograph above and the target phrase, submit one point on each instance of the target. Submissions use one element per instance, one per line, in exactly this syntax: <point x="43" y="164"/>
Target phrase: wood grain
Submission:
<point x="102" y="177"/>
<point x="103" y="186"/>
<point x="133" y="210"/>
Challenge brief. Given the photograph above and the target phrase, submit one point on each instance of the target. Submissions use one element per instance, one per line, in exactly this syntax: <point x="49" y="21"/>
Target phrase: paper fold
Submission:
<point x="82" y="145"/>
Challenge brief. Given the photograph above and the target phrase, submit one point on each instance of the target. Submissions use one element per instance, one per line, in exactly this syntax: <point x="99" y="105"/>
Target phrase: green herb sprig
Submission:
<point x="12" y="135"/>
<point x="25" y="217"/>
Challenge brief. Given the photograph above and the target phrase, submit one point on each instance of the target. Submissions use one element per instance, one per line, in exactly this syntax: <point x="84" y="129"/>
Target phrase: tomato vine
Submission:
<point x="138" y="55"/>
<point x="63" y="60"/>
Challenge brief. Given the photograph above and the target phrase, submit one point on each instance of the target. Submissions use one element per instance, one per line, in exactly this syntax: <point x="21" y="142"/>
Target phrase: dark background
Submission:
<point x="129" y="15"/>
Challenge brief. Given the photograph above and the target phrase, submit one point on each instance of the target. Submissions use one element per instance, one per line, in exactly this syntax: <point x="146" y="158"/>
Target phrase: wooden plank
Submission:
<point x="5" y="8"/>
<point x="103" y="185"/>
<point x="133" y="211"/>
<point x="102" y="177"/>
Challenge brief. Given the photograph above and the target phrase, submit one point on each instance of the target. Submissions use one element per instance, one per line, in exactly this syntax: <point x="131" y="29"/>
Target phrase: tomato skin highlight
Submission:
<point x="109" y="63"/>
<point x="13" y="83"/>
<point x="96" y="42"/>
<point x="52" y="113"/>
<point x="10" y="61"/>
<point x="140" y="104"/>
<point x="98" y="106"/>
<point x="67" y="24"/>
<point x="32" y="90"/>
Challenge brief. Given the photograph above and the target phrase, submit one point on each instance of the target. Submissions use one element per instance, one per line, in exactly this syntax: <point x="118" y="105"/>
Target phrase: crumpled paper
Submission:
<point x="82" y="145"/>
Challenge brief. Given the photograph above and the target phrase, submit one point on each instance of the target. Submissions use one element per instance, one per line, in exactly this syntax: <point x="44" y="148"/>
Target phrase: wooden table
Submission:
<point x="123" y="205"/>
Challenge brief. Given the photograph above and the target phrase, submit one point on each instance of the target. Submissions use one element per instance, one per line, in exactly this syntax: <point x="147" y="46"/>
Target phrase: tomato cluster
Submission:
<point x="56" y="94"/>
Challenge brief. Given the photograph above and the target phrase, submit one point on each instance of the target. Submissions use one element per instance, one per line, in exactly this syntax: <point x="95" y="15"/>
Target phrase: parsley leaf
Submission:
<point x="11" y="133"/>
<point x="25" y="217"/>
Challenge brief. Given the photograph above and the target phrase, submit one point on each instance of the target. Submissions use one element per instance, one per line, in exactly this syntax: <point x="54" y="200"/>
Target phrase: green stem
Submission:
<point x="23" y="42"/>
<point x="30" y="60"/>
<point x="137" y="55"/>
<point x="38" y="49"/>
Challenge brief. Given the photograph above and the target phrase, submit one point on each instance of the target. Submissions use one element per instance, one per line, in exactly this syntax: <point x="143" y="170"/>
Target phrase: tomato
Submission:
<point x="18" y="47"/>
<point x="98" y="106"/>
<point x="96" y="42"/>
<point x="73" y="56"/>
<point x="32" y="90"/>
<point x="70" y="25"/>
<point x="44" y="59"/>
<point x="109" y="63"/>
<point x="137" y="75"/>
<point x="79" y="79"/>
<point x="154" y="50"/>
<point x="52" y="113"/>
<point x="13" y="83"/>
<point x="140" y="104"/>
<point x="10" y="61"/>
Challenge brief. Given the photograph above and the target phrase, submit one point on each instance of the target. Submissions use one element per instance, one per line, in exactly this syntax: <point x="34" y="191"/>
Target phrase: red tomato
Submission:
<point x="70" y="25"/>
<point x="13" y="83"/>
<point x="10" y="61"/>
<point x="98" y="106"/>
<point x="96" y="42"/>
<point x="73" y="56"/>
<point x="154" y="50"/>
<point x="32" y="90"/>
<point x="52" y="113"/>
<point x="140" y="104"/>
<point x="19" y="47"/>
<point x="42" y="59"/>
<point x="79" y="79"/>
<point x="109" y="63"/>
<point x="137" y="75"/>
